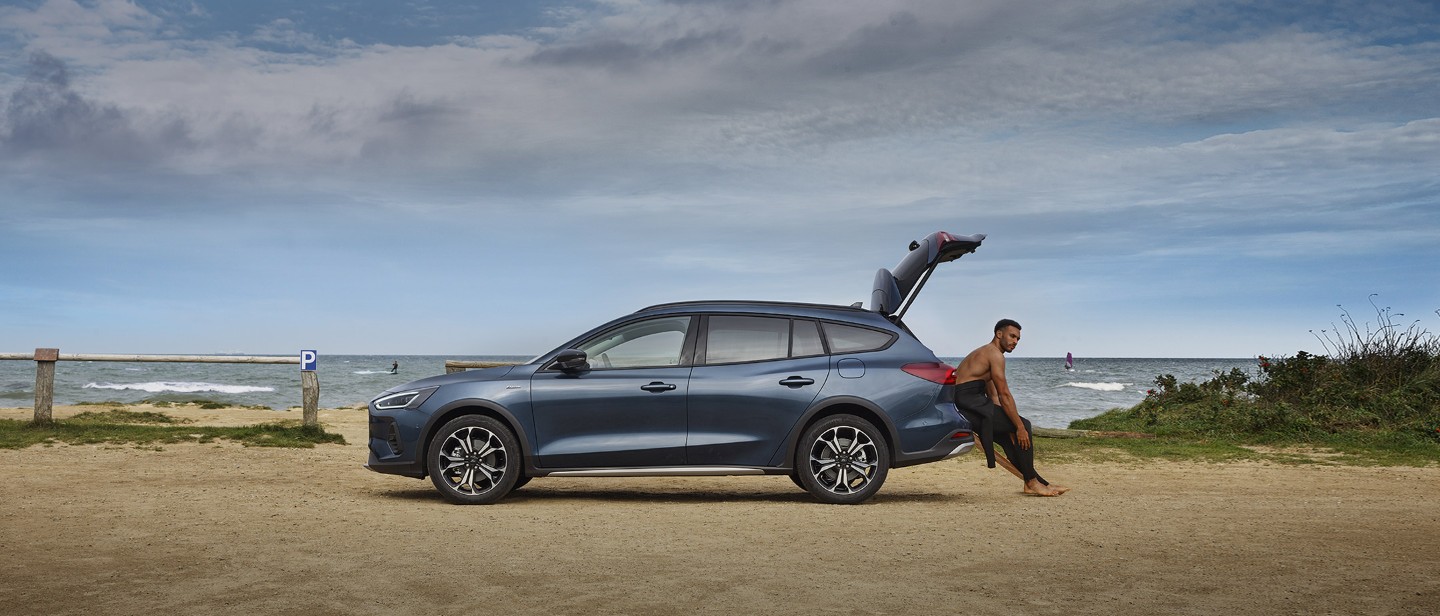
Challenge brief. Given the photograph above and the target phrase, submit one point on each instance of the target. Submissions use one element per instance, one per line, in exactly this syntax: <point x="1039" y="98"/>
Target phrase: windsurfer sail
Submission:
<point x="1069" y="361"/>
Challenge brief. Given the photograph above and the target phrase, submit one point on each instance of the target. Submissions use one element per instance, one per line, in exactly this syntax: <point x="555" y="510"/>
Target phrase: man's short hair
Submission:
<point x="1004" y="323"/>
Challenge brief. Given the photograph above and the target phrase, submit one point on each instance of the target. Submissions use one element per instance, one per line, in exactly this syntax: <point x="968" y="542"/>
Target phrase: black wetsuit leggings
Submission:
<point x="1023" y="459"/>
<point x="972" y="400"/>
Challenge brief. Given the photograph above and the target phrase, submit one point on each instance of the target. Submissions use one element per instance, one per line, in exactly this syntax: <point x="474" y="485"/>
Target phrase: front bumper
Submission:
<point x="407" y="469"/>
<point x="389" y="452"/>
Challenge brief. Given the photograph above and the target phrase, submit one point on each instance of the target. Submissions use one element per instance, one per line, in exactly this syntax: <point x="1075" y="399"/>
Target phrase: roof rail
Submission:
<point x="733" y="302"/>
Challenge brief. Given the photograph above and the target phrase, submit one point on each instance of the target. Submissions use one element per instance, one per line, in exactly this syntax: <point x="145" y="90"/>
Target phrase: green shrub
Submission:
<point x="1379" y="383"/>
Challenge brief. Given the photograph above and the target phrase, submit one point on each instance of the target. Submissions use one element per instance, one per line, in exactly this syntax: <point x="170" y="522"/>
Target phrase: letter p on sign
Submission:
<point x="308" y="360"/>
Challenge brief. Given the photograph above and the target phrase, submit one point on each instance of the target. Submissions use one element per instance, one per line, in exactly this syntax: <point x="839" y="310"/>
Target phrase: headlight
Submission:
<point x="404" y="400"/>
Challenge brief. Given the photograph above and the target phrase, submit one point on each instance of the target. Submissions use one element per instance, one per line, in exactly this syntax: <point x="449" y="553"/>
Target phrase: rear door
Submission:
<point x="754" y="377"/>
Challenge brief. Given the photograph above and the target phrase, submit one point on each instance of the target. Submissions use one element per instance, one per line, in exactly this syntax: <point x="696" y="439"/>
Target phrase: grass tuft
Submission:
<point x="122" y="416"/>
<point x="148" y="428"/>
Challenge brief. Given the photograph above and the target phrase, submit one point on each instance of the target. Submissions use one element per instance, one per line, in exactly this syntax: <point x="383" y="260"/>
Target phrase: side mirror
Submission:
<point x="572" y="360"/>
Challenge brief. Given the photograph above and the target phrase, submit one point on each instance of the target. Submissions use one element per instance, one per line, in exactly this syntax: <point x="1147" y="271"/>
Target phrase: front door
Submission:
<point x="627" y="410"/>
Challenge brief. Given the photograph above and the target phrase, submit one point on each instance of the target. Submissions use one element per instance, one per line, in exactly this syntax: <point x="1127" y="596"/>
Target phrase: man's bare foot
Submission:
<point x="1035" y="488"/>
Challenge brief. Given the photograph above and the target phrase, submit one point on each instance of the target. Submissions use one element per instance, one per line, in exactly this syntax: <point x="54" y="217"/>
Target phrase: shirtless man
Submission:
<point x="983" y="397"/>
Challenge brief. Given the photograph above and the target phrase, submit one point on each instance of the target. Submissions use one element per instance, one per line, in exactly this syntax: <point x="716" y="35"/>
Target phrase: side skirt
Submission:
<point x="664" y="471"/>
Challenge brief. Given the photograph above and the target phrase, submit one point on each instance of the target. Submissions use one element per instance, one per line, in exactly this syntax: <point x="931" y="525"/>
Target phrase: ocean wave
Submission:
<point x="1099" y="386"/>
<point x="180" y="387"/>
<point x="371" y="372"/>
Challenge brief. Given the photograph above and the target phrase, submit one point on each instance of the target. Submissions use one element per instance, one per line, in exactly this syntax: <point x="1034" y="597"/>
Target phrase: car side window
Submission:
<point x="850" y="339"/>
<point x="732" y="339"/>
<point x="646" y="344"/>
<point x="805" y="340"/>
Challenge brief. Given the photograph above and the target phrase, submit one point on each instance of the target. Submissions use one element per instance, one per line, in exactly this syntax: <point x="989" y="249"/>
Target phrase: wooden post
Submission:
<point x="45" y="383"/>
<point x="310" y="396"/>
<point x="449" y="369"/>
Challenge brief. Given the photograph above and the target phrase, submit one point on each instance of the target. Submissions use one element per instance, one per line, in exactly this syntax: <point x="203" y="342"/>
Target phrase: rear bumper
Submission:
<point x="943" y="450"/>
<point x="964" y="448"/>
<point x="937" y="433"/>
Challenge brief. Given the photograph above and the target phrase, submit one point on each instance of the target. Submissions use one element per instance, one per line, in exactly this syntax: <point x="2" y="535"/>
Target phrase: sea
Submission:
<point x="1047" y="394"/>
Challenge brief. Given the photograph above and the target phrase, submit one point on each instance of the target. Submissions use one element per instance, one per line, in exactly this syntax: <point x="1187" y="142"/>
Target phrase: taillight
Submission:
<point x="933" y="371"/>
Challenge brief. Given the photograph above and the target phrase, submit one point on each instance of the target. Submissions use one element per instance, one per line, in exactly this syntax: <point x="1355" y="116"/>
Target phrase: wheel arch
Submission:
<point x="460" y="408"/>
<point x="841" y="405"/>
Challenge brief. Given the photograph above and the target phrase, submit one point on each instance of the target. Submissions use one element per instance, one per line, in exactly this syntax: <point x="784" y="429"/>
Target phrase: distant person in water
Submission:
<point x="395" y="368"/>
<point x="983" y="397"/>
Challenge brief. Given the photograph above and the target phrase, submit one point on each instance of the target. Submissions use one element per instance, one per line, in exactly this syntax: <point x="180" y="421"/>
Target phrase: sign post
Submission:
<point x="310" y="386"/>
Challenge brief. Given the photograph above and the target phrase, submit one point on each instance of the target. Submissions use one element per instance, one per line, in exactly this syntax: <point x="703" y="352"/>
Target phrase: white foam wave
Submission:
<point x="1099" y="386"/>
<point x="371" y="372"/>
<point x="156" y="387"/>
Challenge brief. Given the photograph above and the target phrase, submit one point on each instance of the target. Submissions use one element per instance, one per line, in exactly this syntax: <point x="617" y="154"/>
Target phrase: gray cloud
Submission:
<point x="46" y="119"/>
<point x="740" y="103"/>
<point x="1134" y="158"/>
<point x="618" y="54"/>
<point x="907" y="41"/>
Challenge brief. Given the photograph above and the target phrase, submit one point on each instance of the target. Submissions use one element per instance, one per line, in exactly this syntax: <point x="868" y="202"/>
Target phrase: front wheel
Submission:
<point x="474" y="460"/>
<point x="842" y="460"/>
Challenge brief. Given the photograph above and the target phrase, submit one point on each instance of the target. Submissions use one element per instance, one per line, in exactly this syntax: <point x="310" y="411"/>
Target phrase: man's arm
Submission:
<point x="1005" y="400"/>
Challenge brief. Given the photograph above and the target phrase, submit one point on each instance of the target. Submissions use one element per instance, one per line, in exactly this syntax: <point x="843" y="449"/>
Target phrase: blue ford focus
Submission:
<point x="832" y="396"/>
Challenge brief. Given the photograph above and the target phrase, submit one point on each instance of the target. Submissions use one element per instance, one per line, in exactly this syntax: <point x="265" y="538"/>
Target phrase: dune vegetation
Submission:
<point x="149" y="428"/>
<point x="1375" y="393"/>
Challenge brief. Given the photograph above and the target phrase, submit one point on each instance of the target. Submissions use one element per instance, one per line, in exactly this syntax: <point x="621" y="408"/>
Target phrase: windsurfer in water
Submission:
<point x="395" y="367"/>
<point x="983" y="397"/>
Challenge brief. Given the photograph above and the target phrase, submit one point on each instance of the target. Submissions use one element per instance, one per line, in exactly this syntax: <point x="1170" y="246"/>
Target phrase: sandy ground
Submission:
<point x="226" y="529"/>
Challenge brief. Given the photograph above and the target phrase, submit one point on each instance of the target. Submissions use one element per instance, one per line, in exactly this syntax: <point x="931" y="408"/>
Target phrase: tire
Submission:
<point x="474" y="460"/>
<point x="842" y="460"/>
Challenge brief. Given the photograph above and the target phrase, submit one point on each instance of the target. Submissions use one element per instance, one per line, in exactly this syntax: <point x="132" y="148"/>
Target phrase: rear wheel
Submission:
<point x="474" y="460"/>
<point x="842" y="460"/>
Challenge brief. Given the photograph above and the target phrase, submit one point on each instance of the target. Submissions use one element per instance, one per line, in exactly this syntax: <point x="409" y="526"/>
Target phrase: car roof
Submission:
<point x="853" y="313"/>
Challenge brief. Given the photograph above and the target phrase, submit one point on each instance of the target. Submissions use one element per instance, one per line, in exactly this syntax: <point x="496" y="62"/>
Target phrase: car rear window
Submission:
<point x="806" y="340"/>
<point x="850" y="339"/>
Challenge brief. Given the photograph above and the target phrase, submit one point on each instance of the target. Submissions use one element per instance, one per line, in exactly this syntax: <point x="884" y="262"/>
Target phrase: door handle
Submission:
<point x="797" y="381"/>
<point x="657" y="387"/>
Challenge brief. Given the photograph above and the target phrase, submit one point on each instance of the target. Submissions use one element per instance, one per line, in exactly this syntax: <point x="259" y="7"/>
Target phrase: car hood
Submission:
<point x="894" y="290"/>
<point x="468" y="376"/>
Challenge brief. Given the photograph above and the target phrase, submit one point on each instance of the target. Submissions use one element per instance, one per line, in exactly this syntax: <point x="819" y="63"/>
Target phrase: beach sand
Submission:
<point x="224" y="529"/>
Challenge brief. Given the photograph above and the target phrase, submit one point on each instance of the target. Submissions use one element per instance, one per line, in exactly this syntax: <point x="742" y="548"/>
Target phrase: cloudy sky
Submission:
<point x="1155" y="178"/>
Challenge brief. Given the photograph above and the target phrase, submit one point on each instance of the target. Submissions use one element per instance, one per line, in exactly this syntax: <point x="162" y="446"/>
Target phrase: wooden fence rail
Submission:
<point x="45" y="360"/>
<point x="460" y="365"/>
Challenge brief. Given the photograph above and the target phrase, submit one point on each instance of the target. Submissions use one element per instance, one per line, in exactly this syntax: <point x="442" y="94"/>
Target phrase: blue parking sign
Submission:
<point x="308" y="361"/>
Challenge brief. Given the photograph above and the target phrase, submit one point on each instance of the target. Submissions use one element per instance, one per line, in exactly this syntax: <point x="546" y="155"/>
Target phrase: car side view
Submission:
<point x="832" y="396"/>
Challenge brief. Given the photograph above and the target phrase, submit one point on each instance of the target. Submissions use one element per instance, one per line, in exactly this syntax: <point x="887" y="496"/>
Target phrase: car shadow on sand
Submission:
<point x="537" y="492"/>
